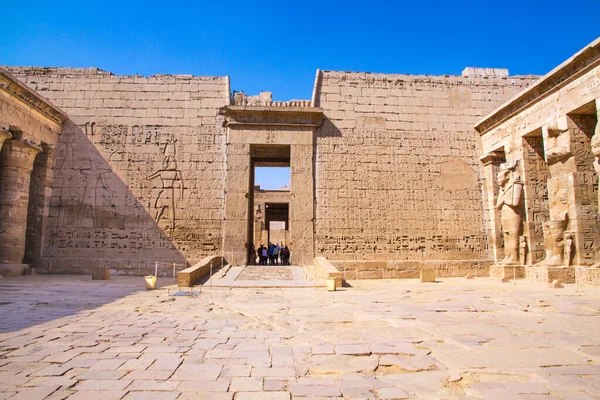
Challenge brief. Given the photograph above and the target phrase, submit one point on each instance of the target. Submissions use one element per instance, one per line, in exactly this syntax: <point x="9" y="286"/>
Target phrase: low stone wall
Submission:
<point x="507" y="271"/>
<point x="548" y="274"/>
<point x="411" y="269"/>
<point x="191" y="275"/>
<point x="588" y="276"/>
<point x="327" y="270"/>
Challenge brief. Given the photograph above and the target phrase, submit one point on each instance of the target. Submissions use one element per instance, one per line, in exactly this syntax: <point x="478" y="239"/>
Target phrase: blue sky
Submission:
<point x="278" y="45"/>
<point x="271" y="177"/>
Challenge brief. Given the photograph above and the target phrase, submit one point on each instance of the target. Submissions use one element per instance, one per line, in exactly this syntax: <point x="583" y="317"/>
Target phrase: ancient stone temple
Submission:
<point x="541" y="167"/>
<point x="30" y="128"/>
<point x="385" y="170"/>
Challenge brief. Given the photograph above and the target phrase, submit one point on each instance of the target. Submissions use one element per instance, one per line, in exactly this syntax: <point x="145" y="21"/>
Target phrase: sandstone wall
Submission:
<point x="397" y="169"/>
<point x="139" y="170"/>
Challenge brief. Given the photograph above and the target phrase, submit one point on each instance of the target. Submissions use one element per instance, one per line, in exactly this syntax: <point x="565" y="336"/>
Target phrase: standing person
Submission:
<point x="276" y="250"/>
<point x="282" y="255"/>
<point x="271" y="249"/>
<point x="286" y="252"/>
<point x="263" y="255"/>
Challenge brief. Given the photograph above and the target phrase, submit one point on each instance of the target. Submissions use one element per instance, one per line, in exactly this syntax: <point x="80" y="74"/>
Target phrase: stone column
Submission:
<point x="595" y="145"/>
<point x="4" y="135"/>
<point x="571" y="186"/>
<point x="16" y="163"/>
<point x="237" y="192"/>
<point x="301" y="215"/>
<point x="39" y="204"/>
<point x="491" y="165"/>
<point x="535" y="177"/>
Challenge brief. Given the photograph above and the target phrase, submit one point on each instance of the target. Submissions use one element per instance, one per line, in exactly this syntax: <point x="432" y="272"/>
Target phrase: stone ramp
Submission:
<point x="265" y="276"/>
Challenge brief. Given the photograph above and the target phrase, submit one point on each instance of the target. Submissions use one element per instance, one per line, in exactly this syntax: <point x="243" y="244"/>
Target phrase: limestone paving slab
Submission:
<point x="401" y="339"/>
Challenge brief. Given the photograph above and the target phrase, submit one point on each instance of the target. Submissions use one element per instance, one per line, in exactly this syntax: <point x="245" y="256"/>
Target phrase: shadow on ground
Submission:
<point x="23" y="304"/>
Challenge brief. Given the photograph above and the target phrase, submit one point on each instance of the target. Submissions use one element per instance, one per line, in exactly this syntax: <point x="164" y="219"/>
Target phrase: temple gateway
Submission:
<point x="483" y="173"/>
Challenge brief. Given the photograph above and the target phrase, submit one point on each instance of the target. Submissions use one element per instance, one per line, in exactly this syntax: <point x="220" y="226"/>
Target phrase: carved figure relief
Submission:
<point x="95" y="191"/>
<point x="523" y="249"/>
<point x="171" y="179"/>
<point x="568" y="249"/>
<point x="510" y="204"/>
<point x="537" y="206"/>
<point x="595" y="144"/>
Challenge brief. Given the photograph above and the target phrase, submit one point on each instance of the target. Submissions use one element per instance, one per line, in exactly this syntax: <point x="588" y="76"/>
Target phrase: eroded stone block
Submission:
<point x="427" y="275"/>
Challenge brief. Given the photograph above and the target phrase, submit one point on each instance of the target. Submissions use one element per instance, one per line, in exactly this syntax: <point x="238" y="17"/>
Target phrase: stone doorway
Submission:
<point x="275" y="136"/>
<point x="270" y="207"/>
<point x="277" y="223"/>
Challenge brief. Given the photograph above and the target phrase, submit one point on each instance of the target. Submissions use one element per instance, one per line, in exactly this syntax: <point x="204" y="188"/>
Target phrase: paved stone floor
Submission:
<point x="70" y="337"/>
<point x="266" y="276"/>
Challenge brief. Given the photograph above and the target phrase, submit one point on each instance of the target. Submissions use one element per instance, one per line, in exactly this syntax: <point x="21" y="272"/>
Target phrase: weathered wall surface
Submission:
<point x="140" y="168"/>
<point x="397" y="169"/>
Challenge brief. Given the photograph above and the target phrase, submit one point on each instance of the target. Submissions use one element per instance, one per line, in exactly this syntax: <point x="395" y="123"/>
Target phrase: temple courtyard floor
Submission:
<point x="66" y="336"/>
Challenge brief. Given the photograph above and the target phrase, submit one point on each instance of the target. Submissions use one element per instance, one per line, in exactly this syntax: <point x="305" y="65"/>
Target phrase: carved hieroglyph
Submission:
<point x="140" y="169"/>
<point x="397" y="171"/>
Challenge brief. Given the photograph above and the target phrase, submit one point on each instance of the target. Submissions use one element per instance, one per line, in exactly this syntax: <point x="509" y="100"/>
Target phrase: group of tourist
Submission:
<point x="274" y="254"/>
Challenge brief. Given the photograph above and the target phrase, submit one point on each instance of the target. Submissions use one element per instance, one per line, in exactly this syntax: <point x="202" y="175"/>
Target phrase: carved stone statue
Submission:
<point x="523" y="249"/>
<point x="554" y="241"/>
<point x="596" y="151"/>
<point x="510" y="204"/>
<point x="568" y="249"/>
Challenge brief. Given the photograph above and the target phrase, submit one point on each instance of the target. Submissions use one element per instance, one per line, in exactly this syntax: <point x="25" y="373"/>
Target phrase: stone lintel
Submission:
<point x="580" y="63"/>
<point x="273" y="116"/>
<point x="16" y="88"/>
<point x="493" y="157"/>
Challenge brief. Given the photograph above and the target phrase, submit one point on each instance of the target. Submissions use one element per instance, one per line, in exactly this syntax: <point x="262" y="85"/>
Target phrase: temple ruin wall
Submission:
<point x="398" y="181"/>
<point x="143" y="164"/>
<point x="140" y="168"/>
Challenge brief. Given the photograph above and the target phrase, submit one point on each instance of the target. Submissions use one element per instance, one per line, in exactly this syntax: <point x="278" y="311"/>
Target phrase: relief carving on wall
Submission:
<point x="171" y="180"/>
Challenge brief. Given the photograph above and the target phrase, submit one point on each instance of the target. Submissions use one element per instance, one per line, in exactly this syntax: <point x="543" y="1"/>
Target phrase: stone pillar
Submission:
<point x="16" y="164"/>
<point x="535" y="176"/>
<point x="237" y="193"/>
<point x="4" y="135"/>
<point x="595" y="145"/>
<point x="40" y="192"/>
<point x="301" y="215"/>
<point x="571" y="186"/>
<point x="491" y="165"/>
